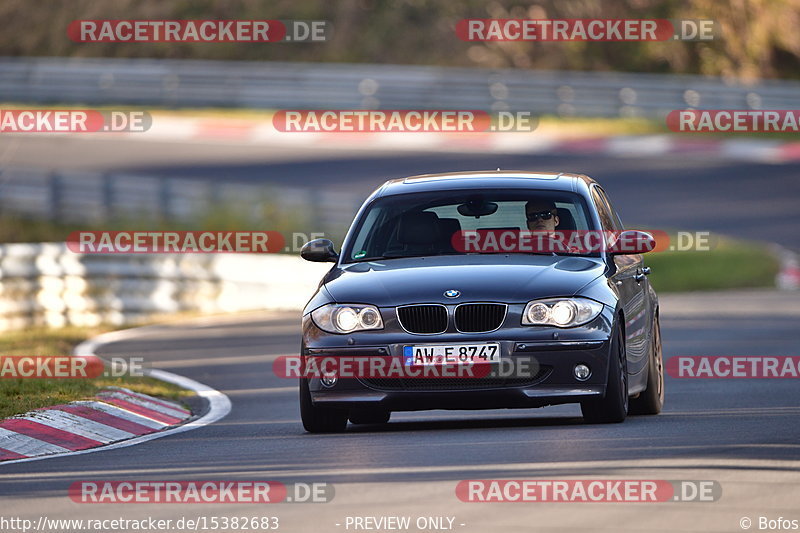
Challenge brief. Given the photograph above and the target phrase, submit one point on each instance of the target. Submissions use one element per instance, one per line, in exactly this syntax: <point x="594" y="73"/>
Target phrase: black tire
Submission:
<point x="651" y="400"/>
<point x="369" y="416"/>
<point x="613" y="407"/>
<point x="319" y="419"/>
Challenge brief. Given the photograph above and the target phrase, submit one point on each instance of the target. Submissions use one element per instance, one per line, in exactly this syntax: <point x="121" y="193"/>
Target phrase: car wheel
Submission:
<point x="369" y="416"/>
<point x="651" y="400"/>
<point x="614" y="406"/>
<point x="319" y="419"/>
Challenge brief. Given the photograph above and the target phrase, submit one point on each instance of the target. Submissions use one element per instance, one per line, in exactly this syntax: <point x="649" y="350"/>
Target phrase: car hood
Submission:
<point x="513" y="278"/>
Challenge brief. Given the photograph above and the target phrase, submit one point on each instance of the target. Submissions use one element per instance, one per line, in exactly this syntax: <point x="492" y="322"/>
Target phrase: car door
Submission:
<point x="632" y="284"/>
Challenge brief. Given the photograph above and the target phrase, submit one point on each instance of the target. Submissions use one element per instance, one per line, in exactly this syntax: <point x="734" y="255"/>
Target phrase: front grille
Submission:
<point x="444" y="384"/>
<point x="423" y="318"/>
<point x="478" y="318"/>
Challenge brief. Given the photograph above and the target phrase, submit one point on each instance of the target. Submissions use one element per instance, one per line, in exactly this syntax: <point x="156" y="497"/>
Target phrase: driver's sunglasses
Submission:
<point x="544" y="215"/>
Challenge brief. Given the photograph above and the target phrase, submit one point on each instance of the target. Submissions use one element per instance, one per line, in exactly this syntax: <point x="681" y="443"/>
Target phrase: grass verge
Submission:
<point x="269" y="216"/>
<point x="731" y="264"/>
<point x="18" y="396"/>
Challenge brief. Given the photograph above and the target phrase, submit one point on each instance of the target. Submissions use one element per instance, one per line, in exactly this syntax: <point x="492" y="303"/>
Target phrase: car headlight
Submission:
<point x="346" y="318"/>
<point x="561" y="312"/>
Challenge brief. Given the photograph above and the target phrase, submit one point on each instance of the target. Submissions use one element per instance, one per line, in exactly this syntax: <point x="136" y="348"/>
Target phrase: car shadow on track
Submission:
<point x="482" y="423"/>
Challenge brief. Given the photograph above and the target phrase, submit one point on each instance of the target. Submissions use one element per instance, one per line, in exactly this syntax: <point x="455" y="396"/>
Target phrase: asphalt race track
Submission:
<point x="744" y="434"/>
<point x="741" y="433"/>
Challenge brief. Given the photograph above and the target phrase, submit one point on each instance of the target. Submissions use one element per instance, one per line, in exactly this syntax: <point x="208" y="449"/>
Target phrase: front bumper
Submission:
<point x="552" y="353"/>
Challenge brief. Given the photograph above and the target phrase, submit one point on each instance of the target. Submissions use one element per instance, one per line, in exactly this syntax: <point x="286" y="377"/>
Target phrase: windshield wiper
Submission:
<point x="400" y="256"/>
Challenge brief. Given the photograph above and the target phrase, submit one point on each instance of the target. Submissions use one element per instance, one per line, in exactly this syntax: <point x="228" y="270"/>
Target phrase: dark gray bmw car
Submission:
<point x="427" y="277"/>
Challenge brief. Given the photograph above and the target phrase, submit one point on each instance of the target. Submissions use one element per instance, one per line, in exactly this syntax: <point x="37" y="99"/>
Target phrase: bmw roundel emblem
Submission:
<point x="452" y="293"/>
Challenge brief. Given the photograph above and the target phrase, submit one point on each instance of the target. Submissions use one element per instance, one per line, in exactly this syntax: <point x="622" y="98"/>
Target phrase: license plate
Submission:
<point x="451" y="354"/>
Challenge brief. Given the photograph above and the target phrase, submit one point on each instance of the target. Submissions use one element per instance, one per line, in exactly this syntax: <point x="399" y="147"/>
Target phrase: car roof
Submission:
<point x="490" y="179"/>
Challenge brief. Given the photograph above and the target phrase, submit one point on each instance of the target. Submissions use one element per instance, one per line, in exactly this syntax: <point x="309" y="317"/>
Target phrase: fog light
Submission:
<point x="329" y="380"/>
<point x="582" y="372"/>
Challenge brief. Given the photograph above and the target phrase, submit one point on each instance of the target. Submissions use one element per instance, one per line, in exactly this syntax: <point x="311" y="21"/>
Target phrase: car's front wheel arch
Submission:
<point x="613" y="406"/>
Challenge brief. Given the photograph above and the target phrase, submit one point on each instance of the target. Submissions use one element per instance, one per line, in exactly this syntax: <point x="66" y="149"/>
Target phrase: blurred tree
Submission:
<point x="755" y="38"/>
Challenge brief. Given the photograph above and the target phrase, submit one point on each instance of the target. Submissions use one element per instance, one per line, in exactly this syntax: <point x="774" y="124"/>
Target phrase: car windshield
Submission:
<point x="430" y="224"/>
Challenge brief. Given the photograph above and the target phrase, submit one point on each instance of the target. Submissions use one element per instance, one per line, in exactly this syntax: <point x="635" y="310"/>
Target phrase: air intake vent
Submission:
<point x="439" y="384"/>
<point x="478" y="318"/>
<point x="423" y="318"/>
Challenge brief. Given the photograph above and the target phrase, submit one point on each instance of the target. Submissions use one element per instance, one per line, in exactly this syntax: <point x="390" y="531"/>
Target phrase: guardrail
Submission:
<point x="79" y="196"/>
<point x="48" y="285"/>
<point x="193" y="83"/>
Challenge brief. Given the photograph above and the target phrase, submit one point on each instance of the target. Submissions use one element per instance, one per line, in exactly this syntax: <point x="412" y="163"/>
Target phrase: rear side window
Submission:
<point x="607" y="218"/>
<point x="614" y="213"/>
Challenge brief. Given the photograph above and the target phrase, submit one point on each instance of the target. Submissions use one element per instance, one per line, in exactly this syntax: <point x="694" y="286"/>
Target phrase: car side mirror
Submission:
<point x="319" y="251"/>
<point x="632" y="242"/>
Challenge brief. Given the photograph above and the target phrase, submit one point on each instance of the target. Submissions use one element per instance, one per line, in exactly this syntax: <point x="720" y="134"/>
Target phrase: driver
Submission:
<point x="542" y="215"/>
